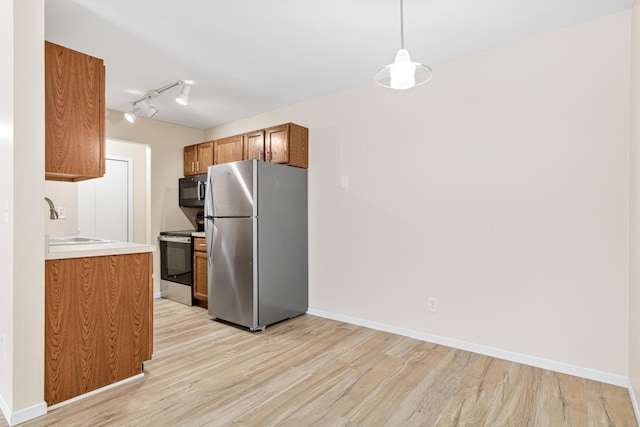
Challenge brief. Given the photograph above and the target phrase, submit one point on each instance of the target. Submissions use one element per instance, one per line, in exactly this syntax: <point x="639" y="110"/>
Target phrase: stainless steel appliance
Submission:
<point x="176" y="266"/>
<point x="191" y="191"/>
<point x="256" y="234"/>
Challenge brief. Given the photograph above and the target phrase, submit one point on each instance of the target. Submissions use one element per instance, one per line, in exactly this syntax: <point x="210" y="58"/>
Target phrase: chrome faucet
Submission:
<point x="53" y="213"/>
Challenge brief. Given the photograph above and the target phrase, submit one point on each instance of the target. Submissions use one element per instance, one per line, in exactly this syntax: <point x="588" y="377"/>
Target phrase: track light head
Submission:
<point x="132" y="115"/>
<point x="146" y="108"/>
<point x="183" y="96"/>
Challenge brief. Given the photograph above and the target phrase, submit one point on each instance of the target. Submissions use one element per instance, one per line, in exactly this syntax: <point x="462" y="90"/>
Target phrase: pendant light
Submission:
<point x="403" y="74"/>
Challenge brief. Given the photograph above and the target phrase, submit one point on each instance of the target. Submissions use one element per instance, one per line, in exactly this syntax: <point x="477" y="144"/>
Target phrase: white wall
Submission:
<point x="500" y="187"/>
<point x="21" y="198"/>
<point x="6" y="201"/>
<point x="634" y="279"/>
<point x="166" y="141"/>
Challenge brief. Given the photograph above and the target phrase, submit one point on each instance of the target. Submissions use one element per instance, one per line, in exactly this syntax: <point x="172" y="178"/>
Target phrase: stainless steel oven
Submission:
<point x="176" y="266"/>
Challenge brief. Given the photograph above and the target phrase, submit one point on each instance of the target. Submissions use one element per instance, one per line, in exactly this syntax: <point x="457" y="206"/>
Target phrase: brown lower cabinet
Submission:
<point x="200" y="271"/>
<point x="98" y="322"/>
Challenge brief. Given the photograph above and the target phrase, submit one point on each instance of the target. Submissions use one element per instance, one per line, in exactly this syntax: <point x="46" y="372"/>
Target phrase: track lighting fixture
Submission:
<point x="143" y="107"/>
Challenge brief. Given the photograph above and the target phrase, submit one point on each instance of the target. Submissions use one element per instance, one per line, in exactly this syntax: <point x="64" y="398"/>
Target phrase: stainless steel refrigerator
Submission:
<point x="256" y="235"/>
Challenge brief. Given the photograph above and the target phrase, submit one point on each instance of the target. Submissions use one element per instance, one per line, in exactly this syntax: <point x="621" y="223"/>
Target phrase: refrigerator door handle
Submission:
<point x="210" y="238"/>
<point x="208" y="199"/>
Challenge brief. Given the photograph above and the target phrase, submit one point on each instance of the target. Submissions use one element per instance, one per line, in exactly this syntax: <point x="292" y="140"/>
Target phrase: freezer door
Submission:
<point x="231" y="190"/>
<point x="231" y="270"/>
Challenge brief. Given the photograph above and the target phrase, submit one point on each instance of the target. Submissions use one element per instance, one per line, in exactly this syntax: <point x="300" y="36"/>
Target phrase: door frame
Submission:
<point x="129" y="161"/>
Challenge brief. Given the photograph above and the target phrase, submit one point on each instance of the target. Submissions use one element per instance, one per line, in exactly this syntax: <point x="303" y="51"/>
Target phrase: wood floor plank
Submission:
<point x="310" y="371"/>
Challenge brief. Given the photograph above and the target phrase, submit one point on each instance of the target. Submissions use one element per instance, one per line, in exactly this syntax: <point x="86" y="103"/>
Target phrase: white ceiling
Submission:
<point x="250" y="56"/>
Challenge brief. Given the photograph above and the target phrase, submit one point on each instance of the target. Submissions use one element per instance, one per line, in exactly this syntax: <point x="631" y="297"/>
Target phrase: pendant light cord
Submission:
<point x="401" y="26"/>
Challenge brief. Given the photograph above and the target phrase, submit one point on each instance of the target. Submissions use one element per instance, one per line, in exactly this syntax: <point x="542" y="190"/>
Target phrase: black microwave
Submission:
<point x="191" y="191"/>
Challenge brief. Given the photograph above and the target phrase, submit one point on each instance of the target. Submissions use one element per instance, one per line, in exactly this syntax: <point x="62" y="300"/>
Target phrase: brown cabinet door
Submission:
<point x="190" y="156"/>
<point x="204" y="158"/>
<point x="254" y="145"/>
<point x="98" y="322"/>
<point x="74" y="115"/>
<point x="228" y="149"/>
<point x="277" y="144"/>
<point x="200" y="276"/>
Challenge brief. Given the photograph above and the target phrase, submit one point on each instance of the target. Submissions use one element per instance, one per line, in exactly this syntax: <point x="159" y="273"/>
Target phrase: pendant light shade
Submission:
<point x="403" y="74"/>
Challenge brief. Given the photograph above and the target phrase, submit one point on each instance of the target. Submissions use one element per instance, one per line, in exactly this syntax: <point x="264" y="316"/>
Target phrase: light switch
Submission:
<point x="344" y="181"/>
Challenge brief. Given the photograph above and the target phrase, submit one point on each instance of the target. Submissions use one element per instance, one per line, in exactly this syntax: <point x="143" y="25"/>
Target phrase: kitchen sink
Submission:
<point x="75" y="240"/>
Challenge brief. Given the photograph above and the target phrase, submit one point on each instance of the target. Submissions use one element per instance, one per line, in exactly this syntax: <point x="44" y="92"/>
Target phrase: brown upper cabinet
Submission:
<point x="254" y="145"/>
<point x="197" y="158"/>
<point x="228" y="150"/>
<point x="74" y="115"/>
<point x="287" y="144"/>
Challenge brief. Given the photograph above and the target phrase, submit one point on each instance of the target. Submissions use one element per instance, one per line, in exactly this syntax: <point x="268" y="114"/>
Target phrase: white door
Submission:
<point x="104" y="204"/>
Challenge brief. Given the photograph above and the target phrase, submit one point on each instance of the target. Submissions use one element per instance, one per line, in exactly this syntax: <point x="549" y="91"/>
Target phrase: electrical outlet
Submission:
<point x="62" y="212"/>
<point x="433" y="305"/>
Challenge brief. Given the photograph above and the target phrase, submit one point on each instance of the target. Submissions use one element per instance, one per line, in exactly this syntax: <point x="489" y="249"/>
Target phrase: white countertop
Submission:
<point x="197" y="234"/>
<point x="96" y="249"/>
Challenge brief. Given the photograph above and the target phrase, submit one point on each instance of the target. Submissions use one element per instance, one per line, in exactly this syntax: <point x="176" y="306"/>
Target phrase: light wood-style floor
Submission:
<point x="313" y="371"/>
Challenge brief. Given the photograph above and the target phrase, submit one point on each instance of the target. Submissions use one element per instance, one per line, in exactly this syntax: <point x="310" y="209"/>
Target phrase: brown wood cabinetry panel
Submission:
<point x="205" y="157"/>
<point x="200" y="276"/>
<point x="200" y="270"/>
<point x="254" y="145"/>
<point x="190" y="156"/>
<point x="287" y="144"/>
<point x="229" y="149"/>
<point x="298" y="146"/>
<point x="277" y="144"/>
<point x="199" y="244"/>
<point x="98" y="322"/>
<point x="197" y="158"/>
<point x="74" y="114"/>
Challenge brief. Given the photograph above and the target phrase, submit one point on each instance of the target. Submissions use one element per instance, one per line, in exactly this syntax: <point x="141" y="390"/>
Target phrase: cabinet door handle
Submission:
<point x="197" y="166"/>
<point x="202" y="244"/>
<point x="193" y="165"/>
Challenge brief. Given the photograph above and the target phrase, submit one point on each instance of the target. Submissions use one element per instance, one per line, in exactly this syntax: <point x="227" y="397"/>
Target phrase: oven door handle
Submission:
<point x="175" y="239"/>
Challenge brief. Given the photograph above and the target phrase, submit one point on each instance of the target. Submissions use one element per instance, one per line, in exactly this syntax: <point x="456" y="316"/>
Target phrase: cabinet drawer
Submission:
<point x="199" y="244"/>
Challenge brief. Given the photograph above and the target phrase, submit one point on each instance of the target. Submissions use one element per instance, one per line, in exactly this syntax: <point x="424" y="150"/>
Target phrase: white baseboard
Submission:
<point x="157" y="295"/>
<point x="634" y="402"/>
<point x="100" y="390"/>
<point x="22" y="415"/>
<point x="525" y="359"/>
